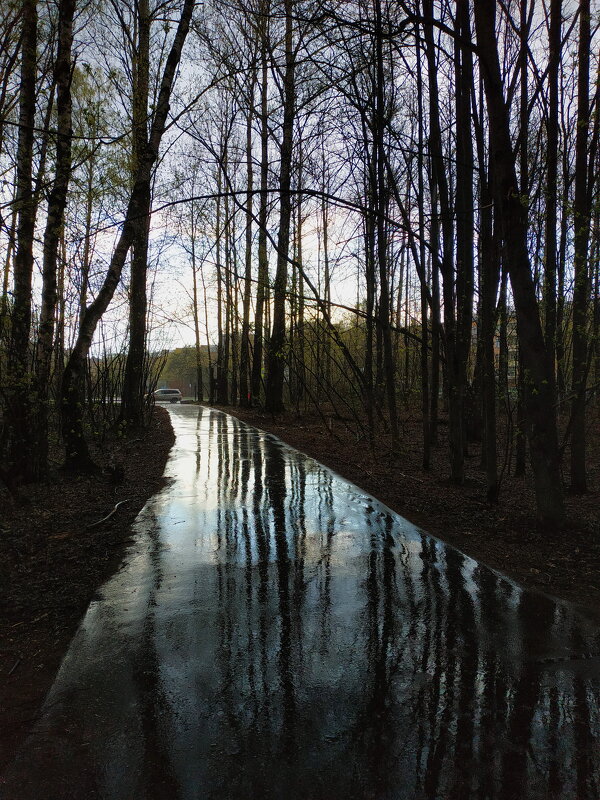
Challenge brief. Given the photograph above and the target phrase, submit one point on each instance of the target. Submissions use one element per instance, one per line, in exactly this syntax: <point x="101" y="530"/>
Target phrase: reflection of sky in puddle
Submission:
<point x="204" y="503"/>
<point x="276" y="632"/>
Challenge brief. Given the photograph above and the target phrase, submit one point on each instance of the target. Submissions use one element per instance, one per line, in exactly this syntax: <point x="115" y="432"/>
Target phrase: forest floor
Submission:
<point x="53" y="558"/>
<point x="504" y="536"/>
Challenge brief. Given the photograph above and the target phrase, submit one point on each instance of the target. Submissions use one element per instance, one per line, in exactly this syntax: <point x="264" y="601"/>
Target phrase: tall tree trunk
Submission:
<point x="245" y="394"/>
<point x="276" y="351"/>
<point x="581" y="215"/>
<point x="539" y="390"/>
<point x="521" y="432"/>
<point x="263" y="259"/>
<point x="455" y="392"/>
<point x="489" y="289"/>
<point x="435" y="319"/>
<point x="561" y="366"/>
<point x="224" y="388"/>
<point x="464" y="203"/>
<point x="293" y="315"/>
<point x="324" y="362"/>
<point x="59" y="342"/>
<point x="489" y="277"/>
<point x="8" y="258"/>
<point x="300" y="336"/>
<point x="221" y="387"/>
<point x="502" y="314"/>
<point x="379" y="127"/>
<point x="77" y="452"/>
<point x="371" y="288"/>
<point x="489" y="270"/>
<point x="20" y="445"/>
<point x="423" y="272"/>
<point x="211" y="382"/>
<point x="87" y="247"/>
<point x="54" y="223"/>
<point x="551" y="209"/>
<point x="596" y="314"/>
<point x="196" y="311"/>
<point x="521" y="428"/>
<point x="132" y="408"/>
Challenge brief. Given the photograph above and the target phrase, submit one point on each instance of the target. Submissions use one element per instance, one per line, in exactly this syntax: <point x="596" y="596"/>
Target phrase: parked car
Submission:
<point x="168" y="395"/>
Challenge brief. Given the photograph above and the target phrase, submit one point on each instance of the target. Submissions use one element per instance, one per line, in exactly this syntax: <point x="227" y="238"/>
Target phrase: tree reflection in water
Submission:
<point x="293" y="638"/>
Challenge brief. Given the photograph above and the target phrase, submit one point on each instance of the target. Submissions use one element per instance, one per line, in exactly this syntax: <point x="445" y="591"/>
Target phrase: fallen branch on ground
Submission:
<point x="30" y="622"/>
<point x="108" y="516"/>
<point x="14" y="666"/>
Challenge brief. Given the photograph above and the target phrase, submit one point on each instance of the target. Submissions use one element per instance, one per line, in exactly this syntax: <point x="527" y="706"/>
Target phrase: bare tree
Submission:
<point x="77" y="452"/>
<point x="539" y="384"/>
<point x="18" y="400"/>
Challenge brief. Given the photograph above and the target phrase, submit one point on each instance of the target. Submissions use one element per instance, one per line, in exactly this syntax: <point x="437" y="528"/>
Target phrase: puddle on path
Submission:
<point x="277" y="633"/>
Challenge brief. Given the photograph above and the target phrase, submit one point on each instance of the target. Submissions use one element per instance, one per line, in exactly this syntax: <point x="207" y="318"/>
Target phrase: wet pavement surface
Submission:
<point x="276" y="633"/>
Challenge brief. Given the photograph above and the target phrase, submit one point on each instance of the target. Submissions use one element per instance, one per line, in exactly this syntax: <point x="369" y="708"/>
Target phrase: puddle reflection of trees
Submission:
<point x="291" y="638"/>
<point x="406" y="664"/>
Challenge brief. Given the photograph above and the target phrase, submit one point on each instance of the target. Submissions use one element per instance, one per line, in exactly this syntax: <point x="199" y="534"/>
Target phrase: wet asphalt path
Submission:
<point x="277" y="633"/>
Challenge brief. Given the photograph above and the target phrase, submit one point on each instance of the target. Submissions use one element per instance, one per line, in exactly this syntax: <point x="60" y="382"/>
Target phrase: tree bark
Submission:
<point x="489" y="269"/>
<point x="20" y="444"/>
<point x="245" y="396"/>
<point x="435" y="321"/>
<point x="423" y="272"/>
<point x="521" y="432"/>
<point x="539" y="385"/>
<point x="581" y="215"/>
<point x="263" y="258"/>
<point x="551" y="209"/>
<point x="300" y="331"/>
<point x="455" y="390"/>
<point x="54" y="223"/>
<point x="276" y="359"/>
<point x="132" y="407"/>
<point x="196" y="314"/>
<point x="465" y="224"/>
<point x="379" y="126"/>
